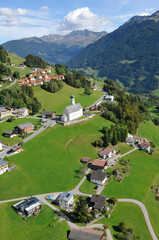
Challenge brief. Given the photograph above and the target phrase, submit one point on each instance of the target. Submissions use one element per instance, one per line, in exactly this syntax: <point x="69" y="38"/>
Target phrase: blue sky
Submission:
<point x="19" y="19"/>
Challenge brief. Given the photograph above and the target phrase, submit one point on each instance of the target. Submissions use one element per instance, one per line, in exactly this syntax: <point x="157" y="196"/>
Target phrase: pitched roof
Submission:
<point x="48" y="112"/>
<point x="73" y="108"/>
<point x="8" y="132"/>
<point x="106" y="151"/>
<point x="98" y="175"/>
<point x="98" y="201"/>
<point x="98" y="162"/>
<point x="65" y="196"/>
<point x="85" y="234"/>
<point x="145" y="144"/>
<point x="25" y="125"/>
<point x="85" y="159"/>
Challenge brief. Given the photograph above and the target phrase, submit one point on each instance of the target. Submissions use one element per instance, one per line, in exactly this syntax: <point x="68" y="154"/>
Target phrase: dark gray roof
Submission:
<point x="2" y="163"/>
<point x="48" y="112"/>
<point x="80" y="235"/>
<point x="74" y="108"/>
<point x="65" y="196"/>
<point x="8" y="132"/>
<point x="98" y="175"/>
<point x="20" y="110"/>
<point x="27" y="203"/>
<point x="98" y="201"/>
<point x="25" y="125"/>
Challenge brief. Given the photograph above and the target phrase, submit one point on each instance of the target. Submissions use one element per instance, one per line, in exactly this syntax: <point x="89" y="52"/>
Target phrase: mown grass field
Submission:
<point x="10" y="126"/>
<point x="50" y="160"/>
<point x="58" y="101"/>
<point x="132" y="216"/>
<point x="45" y="226"/>
<point x="149" y="131"/>
<point x="144" y="174"/>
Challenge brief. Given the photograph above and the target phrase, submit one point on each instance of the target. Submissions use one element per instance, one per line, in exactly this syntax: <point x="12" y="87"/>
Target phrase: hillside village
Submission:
<point x="87" y="202"/>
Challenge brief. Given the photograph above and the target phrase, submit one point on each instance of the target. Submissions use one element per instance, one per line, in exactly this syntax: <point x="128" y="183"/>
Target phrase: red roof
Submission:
<point x="106" y="151"/>
<point x="145" y="144"/>
<point x="98" y="162"/>
<point x="85" y="159"/>
<point x="92" y="231"/>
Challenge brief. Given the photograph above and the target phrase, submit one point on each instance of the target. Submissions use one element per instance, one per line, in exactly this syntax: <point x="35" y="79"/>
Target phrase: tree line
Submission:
<point x="20" y="97"/>
<point x="53" y="86"/>
<point x="34" y="61"/>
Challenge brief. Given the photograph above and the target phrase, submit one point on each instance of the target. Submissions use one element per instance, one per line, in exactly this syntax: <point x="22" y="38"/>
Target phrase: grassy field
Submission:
<point x="58" y="101"/>
<point x="132" y="216"/>
<point x="156" y="92"/>
<point x="149" y="131"/>
<point x="10" y="126"/>
<point x="45" y="226"/>
<point x="15" y="59"/>
<point x="144" y="174"/>
<point x="122" y="147"/>
<point x="50" y="160"/>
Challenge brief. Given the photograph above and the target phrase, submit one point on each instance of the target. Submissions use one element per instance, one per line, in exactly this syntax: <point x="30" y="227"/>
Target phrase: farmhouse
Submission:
<point x="48" y="114"/>
<point x="28" y="207"/>
<point x="85" y="160"/>
<point x="9" y="134"/>
<point x="65" y="200"/>
<point x="24" y="128"/>
<point x="145" y="146"/>
<point x="3" y="166"/>
<point x="7" y="79"/>
<point x="97" y="202"/>
<point x="73" y="111"/>
<point x="99" y="164"/>
<point x="107" y="153"/>
<point x="83" y="234"/>
<point x="109" y="98"/>
<point x="98" y="177"/>
<point x="21" y="112"/>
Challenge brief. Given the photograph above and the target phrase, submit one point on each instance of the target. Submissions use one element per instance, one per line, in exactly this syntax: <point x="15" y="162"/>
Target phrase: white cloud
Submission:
<point x="44" y="8"/>
<point x="82" y="18"/>
<point x="124" y="2"/>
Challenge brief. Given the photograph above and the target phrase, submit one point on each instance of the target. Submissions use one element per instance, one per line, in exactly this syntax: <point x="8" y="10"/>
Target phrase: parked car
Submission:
<point x="95" y="188"/>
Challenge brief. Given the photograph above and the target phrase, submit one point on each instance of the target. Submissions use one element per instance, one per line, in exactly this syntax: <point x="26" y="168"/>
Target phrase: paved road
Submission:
<point x="129" y="152"/>
<point x="14" y="82"/>
<point x="145" y="213"/>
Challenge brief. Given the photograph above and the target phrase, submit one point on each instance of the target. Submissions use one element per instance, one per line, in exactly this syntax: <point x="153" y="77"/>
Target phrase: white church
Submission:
<point x="73" y="111"/>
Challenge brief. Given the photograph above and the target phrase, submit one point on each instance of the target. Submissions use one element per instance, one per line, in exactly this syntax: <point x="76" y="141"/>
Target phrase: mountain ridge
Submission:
<point x="54" y="48"/>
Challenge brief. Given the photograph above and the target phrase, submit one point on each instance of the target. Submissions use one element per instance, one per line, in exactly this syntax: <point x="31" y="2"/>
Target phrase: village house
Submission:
<point x="5" y="111"/>
<point x="107" y="153"/>
<point x="65" y="199"/>
<point x="86" y="233"/>
<point x="48" y="114"/>
<point x="109" y="98"/>
<point x="99" y="177"/>
<point x="85" y="160"/>
<point x="73" y="111"/>
<point x="21" y="112"/>
<point x="24" y="128"/>
<point x="16" y="149"/>
<point x="11" y="64"/>
<point x="145" y="146"/>
<point x="9" y="133"/>
<point x="97" y="202"/>
<point x="28" y="207"/>
<point x="9" y="79"/>
<point x="99" y="164"/>
<point x="3" y="166"/>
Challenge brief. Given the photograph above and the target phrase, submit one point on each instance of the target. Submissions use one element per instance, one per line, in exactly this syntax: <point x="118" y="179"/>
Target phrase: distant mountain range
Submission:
<point x="54" y="48"/>
<point x="130" y="54"/>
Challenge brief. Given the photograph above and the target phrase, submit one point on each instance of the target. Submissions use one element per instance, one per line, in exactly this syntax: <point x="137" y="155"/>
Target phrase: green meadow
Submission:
<point x="50" y="160"/>
<point x="58" y="101"/>
<point x="10" y="126"/>
<point x="44" y="226"/>
<point x="132" y="216"/>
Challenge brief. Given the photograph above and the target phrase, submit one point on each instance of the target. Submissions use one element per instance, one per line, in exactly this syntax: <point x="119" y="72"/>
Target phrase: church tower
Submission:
<point x="72" y="99"/>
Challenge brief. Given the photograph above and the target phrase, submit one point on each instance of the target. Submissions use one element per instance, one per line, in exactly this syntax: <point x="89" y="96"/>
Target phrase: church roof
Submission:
<point x="73" y="108"/>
